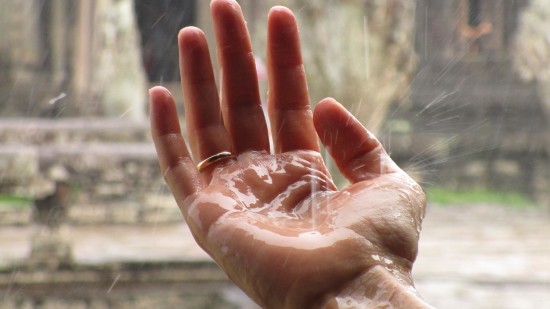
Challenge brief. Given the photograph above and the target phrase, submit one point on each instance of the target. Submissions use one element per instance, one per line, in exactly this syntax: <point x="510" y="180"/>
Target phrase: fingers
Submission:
<point x="175" y="162"/>
<point x="357" y="153"/>
<point x="289" y="105"/>
<point x="205" y="128"/>
<point x="241" y="103"/>
<point x="177" y="166"/>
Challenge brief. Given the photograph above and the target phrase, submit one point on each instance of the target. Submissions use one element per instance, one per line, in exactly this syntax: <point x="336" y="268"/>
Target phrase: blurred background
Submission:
<point x="457" y="90"/>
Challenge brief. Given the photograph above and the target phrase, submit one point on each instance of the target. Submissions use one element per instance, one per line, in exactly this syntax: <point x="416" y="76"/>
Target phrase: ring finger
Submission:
<point x="205" y="128"/>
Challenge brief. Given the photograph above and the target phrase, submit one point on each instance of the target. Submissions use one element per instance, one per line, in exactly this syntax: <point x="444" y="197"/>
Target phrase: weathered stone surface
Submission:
<point x="88" y="214"/>
<point x="50" y="248"/>
<point x="531" y="48"/>
<point x="188" y="285"/>
<point x="22" y="131"/>
<point x="9" y="303"/>
<point x="20" y="55"/>
<point x="474" y="122"/>
<point x="541" y="182"/>
<point x="118" y="74"/>
<point x="160" y="208"/>
<point x="360" y="52"/>
<point x="15" y="215"/>
<point x="71" y="58"/>
<point x="110" y="167"/>
<point x="484" y="256"/>
<point x="18" y="170"/>
<point x="64" y="304"/>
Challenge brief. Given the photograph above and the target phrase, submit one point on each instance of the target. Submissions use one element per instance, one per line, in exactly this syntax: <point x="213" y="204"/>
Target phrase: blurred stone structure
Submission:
<point x="50" y="249"/>
<point x="81" y="58"/>
<point x="472" y="122"/>
<point x="83" y="172"/>
<point x="361" y="52"/>
<point x="185" y="285"/>
<point x="531" y="48"/>
<point x="70" y="58"/>
<point x="531" y="56"/>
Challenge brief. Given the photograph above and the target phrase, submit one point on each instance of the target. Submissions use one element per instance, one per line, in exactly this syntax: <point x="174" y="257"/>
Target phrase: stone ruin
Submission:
<point x="107" y="169"/>
<point x="79" y="172"/>
<point x="98" y="173"/>
<point x="471" y="120"/>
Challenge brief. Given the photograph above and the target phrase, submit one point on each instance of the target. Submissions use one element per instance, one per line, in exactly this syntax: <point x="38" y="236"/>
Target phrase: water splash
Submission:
<point x="314" y="203"/>
<point x="113" y="284"/>
<point x="60" y="97"/>
<point x="126" y="112"/>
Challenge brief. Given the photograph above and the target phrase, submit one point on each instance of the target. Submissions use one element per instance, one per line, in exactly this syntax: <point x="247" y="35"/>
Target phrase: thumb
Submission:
<point x="357" y="153"/>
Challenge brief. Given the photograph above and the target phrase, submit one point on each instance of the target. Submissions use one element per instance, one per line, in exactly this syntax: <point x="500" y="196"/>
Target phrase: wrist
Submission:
<point x="379" y="287"/>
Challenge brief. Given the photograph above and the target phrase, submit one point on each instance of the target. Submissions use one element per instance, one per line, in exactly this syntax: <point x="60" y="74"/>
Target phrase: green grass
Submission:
<point x="14" y="201"/>
<point x="443" y="196"/>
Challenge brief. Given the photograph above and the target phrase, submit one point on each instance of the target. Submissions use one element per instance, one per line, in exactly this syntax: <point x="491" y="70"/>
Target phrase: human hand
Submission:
<point x="275" y="222"/>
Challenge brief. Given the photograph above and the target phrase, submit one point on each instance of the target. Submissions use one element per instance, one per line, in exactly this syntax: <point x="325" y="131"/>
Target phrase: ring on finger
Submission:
<point x="214" y="158"/>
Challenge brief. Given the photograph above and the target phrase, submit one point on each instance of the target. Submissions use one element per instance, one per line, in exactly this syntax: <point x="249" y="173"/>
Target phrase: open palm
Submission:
<point x="275" y="222"/>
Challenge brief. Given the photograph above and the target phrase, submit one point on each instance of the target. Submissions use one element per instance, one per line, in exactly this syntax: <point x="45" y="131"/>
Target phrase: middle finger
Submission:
<point x="240" y="96"/>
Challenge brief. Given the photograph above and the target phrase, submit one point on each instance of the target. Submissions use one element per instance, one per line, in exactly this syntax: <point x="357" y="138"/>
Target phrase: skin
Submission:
<point x="274" y="221"/>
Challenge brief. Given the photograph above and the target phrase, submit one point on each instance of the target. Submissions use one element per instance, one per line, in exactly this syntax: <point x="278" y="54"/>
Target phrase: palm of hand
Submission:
<point x="280" y="222"/>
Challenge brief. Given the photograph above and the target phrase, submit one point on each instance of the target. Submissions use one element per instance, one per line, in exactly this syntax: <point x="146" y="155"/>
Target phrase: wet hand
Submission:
<point x="275" y="222"/>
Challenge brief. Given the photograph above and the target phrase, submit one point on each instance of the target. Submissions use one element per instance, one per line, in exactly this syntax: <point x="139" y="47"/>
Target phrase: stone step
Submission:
<point x="98" y="163"/>
<point x="98" y="183"/>
<point x="37" y="131"/>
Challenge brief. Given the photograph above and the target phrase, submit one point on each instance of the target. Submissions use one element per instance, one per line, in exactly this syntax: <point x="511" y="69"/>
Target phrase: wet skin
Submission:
<point x="275" y="222"/>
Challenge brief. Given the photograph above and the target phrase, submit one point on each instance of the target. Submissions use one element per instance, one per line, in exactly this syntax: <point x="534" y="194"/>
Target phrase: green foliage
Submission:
<point x="14" y="201"/>
<point x="444" y="196"/>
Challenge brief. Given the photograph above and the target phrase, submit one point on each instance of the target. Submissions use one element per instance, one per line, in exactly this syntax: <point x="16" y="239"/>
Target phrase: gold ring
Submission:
<point x="215" y="158"/>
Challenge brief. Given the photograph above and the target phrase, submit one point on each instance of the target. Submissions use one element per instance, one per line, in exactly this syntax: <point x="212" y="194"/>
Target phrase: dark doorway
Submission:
<point x="474" y="13"/>
<point x="159" y="22"/>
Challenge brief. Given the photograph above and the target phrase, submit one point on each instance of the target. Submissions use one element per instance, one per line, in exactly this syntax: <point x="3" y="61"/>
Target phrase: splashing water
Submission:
<point x="113" y="284"/>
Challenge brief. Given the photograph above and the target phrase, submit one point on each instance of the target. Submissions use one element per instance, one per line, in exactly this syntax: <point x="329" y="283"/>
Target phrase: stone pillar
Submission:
<point x="25" y="36"/>
<point x="7" y="36"/>
<point x="82" y="60"/>
<point x="20" y="55"/>
<point x="531" y="48"/>
<point x="109" y="79"/>
<point x="59" y="28"/>
<point x="530" y="53"/>
<point x="541" y="181"/>
<point x="118" y="69"/>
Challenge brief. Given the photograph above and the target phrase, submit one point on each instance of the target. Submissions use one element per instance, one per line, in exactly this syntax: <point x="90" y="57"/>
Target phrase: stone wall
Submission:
<point x="472" y="122"/>
<point x="479" y="126"/>
<point x="68" y="58"/>
<point x="110" y="167"/>
<point x="186" y="285"/>
<point x="531" y="48"/>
